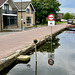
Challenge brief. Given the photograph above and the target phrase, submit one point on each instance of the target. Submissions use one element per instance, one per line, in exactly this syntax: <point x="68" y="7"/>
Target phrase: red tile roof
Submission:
<point x="2" y="1"/>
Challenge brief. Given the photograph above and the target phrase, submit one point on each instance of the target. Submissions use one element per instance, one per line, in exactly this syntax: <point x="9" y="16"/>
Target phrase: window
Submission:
<point x="11" y="20"/>
<point x="28" y="20"/>
<point x="6" y="7"/>
<point x="27" y="11"/>
<point x="31" y="11"/>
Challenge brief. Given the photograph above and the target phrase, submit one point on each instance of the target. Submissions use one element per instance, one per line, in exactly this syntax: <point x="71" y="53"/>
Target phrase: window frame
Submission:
<point x="27" y="11"/>
<point x="28" y="20"/>
<point x="6" y="6"/>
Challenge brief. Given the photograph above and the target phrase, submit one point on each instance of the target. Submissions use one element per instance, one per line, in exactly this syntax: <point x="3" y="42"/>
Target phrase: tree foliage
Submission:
<point x="67" y="16"/>
<point x="44" y="8"/>
<point x="73" y="15"/>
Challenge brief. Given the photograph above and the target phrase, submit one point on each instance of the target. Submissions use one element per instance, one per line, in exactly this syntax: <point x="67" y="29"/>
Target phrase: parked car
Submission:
<point x="63" y="20"/>
<point x="73" y="22"/>
<point x="69" y="21"/>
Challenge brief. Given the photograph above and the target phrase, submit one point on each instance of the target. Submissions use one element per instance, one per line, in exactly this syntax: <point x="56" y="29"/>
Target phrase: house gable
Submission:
<point x="25" y="5"/>
<point x="31" y="7"/>
<point x="2" y="2"/>
<point x="10" y="8"/>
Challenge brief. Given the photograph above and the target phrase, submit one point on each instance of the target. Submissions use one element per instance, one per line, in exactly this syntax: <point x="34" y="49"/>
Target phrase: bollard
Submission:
<point x="35" y="42"/>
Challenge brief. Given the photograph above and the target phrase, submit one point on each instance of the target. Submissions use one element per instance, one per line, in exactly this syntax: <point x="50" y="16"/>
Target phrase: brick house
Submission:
<point x="60" y="15"/>
<point x="28" y="14"/>
<point x="8" y="14"/>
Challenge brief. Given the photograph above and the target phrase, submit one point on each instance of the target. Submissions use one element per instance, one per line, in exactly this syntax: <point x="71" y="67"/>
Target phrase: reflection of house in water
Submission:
<point x="8" y="14"/>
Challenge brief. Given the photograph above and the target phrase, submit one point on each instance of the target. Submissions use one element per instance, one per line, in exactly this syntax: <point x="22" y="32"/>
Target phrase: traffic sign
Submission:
<point x="51" y="23"/>
<point x="51" y="17"/>
<point x="51" y="62"/>
<point x="51" y="56"/>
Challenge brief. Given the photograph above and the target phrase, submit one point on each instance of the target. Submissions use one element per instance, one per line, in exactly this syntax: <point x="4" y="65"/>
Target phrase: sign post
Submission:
<point x="51" y="22"/>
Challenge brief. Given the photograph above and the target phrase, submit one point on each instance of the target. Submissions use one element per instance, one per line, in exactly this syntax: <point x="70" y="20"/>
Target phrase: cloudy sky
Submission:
<point x="66" y="5"/>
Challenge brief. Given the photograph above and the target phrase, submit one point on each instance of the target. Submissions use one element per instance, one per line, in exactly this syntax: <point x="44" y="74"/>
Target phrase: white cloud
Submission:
<point x="64" y="10"/>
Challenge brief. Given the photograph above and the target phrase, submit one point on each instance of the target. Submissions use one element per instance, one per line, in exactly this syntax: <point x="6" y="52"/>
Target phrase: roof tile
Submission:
<point x="24" y="5"/>
<point x="2" y="1"/>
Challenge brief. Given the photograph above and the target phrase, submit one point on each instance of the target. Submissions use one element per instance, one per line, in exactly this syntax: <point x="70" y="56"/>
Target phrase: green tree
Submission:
<point x="73" y="15"/>
<point x="67" y="16"/>
<point x="44" y="8"/>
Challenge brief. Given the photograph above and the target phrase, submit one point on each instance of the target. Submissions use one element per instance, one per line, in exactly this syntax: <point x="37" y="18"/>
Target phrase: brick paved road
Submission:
<point x="12" y="42"/>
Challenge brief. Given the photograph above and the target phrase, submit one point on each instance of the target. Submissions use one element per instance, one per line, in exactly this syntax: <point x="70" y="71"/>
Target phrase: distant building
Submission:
<point x="28" y="14"/>
<point x="8" y="14"/>
<point x="60" y="15"/>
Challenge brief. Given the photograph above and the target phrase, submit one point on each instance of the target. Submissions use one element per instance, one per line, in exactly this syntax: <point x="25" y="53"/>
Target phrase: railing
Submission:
<point x="9" y="12"/>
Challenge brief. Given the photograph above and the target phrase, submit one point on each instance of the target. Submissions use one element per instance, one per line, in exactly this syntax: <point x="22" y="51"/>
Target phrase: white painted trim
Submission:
<point x="20" y="10"/>
<point x="3" y="3"/>
<point x="6" y="1"/>
<point x="31" y="5"/>
<point x="10" y="14"/>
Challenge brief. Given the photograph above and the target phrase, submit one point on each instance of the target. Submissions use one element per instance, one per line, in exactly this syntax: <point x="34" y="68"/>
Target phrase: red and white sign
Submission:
<point x="51" y="17"/>
<point x="51" y="62"/>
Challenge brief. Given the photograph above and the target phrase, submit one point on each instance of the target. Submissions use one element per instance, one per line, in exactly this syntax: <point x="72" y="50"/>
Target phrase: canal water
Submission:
<point x="55" y="59"/>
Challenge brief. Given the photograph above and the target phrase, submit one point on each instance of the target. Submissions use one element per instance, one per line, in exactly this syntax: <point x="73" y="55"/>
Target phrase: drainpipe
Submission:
<point x="21" y="17"/>
<point x="1" y="18"/>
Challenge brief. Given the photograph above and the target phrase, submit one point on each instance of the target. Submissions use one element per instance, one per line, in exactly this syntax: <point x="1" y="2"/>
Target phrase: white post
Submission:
<point x="51" y="33"/>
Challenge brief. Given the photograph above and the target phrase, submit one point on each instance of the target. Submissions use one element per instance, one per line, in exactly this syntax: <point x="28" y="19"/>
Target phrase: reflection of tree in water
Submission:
<point x="47" y="46"/>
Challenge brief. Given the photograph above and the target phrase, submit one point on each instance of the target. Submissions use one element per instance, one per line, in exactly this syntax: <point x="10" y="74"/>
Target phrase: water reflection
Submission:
<point x="28" y="69"/>
<point x="7" y="70"/>
<point x="70" y="32"/>
<point x="35" y="68"/>
<point x="49" y="46"/>
<point x="51" y="57"/>
<point x="64" y="57"/>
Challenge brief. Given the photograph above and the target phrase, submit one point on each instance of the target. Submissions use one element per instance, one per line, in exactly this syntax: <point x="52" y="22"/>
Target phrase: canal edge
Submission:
<point x="4" y="63"/>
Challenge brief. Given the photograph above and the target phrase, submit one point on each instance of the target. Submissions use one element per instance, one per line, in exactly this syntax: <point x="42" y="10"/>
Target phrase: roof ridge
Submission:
<point x="2" y="2"/>
<point x="23" y="2"/>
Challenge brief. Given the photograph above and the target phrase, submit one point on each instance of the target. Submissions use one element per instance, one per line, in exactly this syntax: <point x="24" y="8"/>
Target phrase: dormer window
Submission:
<point x="6" y="7"/>
<point x="27" y="11"/>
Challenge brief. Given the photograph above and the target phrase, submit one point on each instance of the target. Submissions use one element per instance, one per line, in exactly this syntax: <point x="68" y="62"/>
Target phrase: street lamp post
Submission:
<point x="21" y="17"/>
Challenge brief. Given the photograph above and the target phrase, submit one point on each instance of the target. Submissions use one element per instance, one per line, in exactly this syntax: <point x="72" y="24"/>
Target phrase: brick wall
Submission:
<point x="24" y="14"/>
<point x="0" y="19"/>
